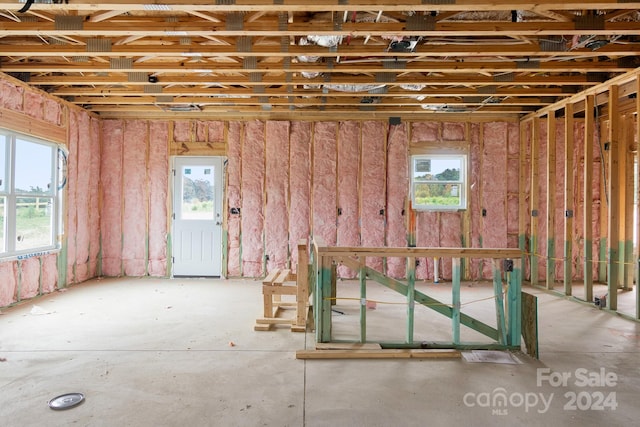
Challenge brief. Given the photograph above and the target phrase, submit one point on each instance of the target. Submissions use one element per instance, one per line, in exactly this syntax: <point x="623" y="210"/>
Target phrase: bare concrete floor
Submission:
<point x="183" y="352"/>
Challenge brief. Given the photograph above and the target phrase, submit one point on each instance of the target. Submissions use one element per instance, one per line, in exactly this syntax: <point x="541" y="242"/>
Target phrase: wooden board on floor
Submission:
<point x="530" y="323"/>
<point x="347" y="346"/>
<point x="378" y="354"/>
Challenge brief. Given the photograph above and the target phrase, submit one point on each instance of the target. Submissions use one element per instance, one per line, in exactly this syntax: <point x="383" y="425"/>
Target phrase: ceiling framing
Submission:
<point x="317" y="59"/>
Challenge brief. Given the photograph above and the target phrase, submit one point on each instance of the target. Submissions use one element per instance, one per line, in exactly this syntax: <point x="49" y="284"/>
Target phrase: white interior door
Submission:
<point x="197" y="216"/>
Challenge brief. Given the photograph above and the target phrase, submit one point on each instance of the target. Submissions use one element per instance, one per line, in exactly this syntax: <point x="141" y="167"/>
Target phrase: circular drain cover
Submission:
<point x="66" y="401"/>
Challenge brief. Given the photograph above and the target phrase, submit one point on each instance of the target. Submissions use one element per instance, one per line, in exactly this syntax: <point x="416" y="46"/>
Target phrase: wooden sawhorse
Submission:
<point x="282" y="282"/>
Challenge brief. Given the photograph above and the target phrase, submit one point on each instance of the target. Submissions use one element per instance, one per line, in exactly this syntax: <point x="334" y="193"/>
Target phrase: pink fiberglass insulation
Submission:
<point x="425" y="132"/>
<point x="94" y="202"/>
<point x="513" y="135"/>
<point x="252" y="199"/>
<point x="348" y="231"/>
<point x="276" y="218"/>
<point x="427" y="235"/>
<point x="158" y="181"/>
<point x="72" y="189"/>
<point x="216" y="131"/>
<point x="49" y="273"/>
<point x="201" y="131"/>
<point x="494" y="185"/>
<point x="578" y="191"/>
<point x="134" y="221"/>
<point x="513" y="155"/>
<point x="182" y="131"/>
<point x="111" y="215"/>
<point x="494" y="189"/>
<point x="83" y="196"/>
<point x="513" y="176"/>
<point x="513" y="209"/>
<point x="324" y="182"/>
<point x="33" y="103"/>
<point x="9" y="282"/>
<point x="52" y="111"/>
<point x="559" y="201"/>
<point x="29" y="277"/>
<point x="475" y="156"/>
<point x="11" y="96"/>
<point x="234" y="201"/>
<point x="397" y="190"/>
<point x="453" y="132"/>
<point x="299" y="186"/>
<point x="372" y="219"/>
<point x="541" y="187"/>
<point x="450" y="237"/>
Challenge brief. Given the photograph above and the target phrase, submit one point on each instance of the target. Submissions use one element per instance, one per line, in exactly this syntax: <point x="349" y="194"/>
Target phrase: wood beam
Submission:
<point x="614" y="201"/>
<point x="533" y="201"/>
<point x="637" y="170"/>
<point x="587" y="205"/>
<point x="329" y="5"/>
<point x="551" y="199"/>
<point x="569" y="204"/>
<point x="379" y="66"/>
<point x="356" y="48"/>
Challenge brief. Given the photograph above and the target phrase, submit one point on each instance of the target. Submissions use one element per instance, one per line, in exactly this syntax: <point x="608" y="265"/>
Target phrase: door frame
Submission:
<point x="172" y="211"/>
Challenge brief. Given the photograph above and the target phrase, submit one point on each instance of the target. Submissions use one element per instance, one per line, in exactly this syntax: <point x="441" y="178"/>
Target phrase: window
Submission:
<point x="28" y="195"/>
<point x="438" y="181"/>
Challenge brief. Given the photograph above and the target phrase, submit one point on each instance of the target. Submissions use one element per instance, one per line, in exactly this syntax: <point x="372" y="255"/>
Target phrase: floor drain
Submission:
<point x="66" y="401"/>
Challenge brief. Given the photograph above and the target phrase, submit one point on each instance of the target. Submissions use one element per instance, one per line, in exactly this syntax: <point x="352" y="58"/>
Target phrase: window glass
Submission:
<point x="33" y="222"/>
<point x="3" y="163"/>
<point x="3" y="222"/>
<point x="197" y="192"/>
<point x="29" y="204"/>
<point x="33" y="168"/>
<point x="438" y="182"/>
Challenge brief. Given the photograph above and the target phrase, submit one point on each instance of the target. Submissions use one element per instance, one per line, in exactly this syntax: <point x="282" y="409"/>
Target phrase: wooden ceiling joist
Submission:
<point x="275" y="59"/>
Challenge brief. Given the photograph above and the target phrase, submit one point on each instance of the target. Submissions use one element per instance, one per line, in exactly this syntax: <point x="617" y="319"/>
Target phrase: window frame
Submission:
<point x="49" y="197"/>
<point x="435" y="154"/>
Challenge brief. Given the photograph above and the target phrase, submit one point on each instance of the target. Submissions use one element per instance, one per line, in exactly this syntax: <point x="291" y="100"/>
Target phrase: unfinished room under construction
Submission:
<point x="326" y="213"/>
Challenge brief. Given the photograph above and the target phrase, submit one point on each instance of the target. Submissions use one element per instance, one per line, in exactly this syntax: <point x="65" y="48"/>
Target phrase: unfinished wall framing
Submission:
<point x="585" y="226"/>
<point x="34" y="112"/>
<point x="544" y="184"/>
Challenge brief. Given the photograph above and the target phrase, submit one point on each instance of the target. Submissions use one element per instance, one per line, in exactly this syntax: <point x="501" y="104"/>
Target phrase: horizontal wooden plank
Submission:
<point x="270" y="277"/>
<point x="377" y="354"/>
<point x="279" y="290"/>
<point x="355" y="251"/>
<point x="275" y="321"/>
<point x="23" y="123"/>
<point x="282" y="277"/>
<point x="347" y="346"/>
